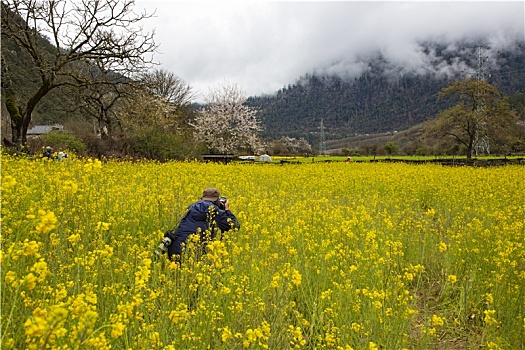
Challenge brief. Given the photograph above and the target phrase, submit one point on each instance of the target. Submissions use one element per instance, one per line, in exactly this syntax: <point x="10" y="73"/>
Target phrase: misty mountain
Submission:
<point x="382" y="98"/>
<point x="385" y="97"/>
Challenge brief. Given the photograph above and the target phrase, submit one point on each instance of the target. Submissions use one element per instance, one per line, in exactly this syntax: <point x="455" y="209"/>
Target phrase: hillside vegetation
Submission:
<point x="383" y="104"/>
<point x="382" y="99"/>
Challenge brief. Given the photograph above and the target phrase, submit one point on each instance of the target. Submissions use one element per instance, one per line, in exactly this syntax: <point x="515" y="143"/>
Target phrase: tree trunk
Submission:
<point x="16" y="119"/>
<point x="11" y="106"/>
<point x="30" y="107"/>
<point x="469" y="148"/>
<point x="21" y="118"/>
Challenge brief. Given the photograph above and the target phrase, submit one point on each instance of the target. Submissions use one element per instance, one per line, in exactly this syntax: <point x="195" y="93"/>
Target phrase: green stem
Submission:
<point x="10" y="314"/>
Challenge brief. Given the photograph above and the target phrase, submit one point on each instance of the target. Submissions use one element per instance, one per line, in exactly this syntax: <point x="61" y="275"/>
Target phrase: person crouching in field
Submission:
<point x="48" y="153"/>
<point x="205" y="217"/>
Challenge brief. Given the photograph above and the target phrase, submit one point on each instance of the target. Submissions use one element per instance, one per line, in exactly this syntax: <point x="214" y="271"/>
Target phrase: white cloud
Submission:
<point x="263" y="46"/>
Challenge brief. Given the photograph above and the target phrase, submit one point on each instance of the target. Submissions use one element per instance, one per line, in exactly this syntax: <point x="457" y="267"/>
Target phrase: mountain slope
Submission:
<point x="384" y="98"/>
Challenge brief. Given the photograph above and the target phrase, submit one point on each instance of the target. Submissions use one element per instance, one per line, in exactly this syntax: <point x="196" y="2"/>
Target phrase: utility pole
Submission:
<point x="322" y="145"/>
<point x="481" y="140"/>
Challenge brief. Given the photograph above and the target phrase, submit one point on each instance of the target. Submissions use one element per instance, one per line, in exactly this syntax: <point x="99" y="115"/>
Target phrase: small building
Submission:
<point x="38" y="130"/>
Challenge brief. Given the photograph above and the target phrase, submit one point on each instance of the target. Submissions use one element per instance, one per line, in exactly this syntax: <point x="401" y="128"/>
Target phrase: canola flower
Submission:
<point x="329" y="256"/>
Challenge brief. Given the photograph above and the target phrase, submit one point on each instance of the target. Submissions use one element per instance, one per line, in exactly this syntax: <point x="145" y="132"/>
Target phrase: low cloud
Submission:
<point x="263" y="46"/>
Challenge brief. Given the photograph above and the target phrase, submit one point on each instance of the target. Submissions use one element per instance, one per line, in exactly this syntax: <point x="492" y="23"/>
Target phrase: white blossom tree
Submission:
<point x="227" y="124"/>
<point x="296" y="146"/>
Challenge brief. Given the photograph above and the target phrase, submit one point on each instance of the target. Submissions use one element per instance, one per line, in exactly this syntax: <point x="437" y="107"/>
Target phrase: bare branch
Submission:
<point x="84" y="34"/>
<point x="168" y="87"/>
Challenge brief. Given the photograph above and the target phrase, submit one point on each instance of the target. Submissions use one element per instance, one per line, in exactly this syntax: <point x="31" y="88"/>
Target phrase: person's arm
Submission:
<point x="227" y="220"/>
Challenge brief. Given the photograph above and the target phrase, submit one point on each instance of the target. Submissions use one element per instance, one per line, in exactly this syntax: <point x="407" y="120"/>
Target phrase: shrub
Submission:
<point x="153" y="143"/>
<point x="63" y="141"/>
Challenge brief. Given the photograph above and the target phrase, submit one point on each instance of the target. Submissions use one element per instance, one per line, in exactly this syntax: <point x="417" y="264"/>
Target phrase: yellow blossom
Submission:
<point x="437" y="321"/>
<point x="356" y="327"/>
<point x="117" y="329"/>
<point x="493" y="346"/>
<point x="8" y="182"/>
<point x="9" y="343"/>
<point x="180" y="314"/>
<point x="489" y="318"/>
<point x="226" y="334"/>
<point x="408" y="276"/>
<point x="296" y="277"/>
<point x="326" y="294"/>
<point x="93" y="165"/>
<point x="70" y="186"/>
<point x="74" y="238"/>
<point x="40" y="268"/>
<point x="353" y="234"/>
<point x="30" y="281"/>
<point x="430" y="212"/>
<point x="47" y="222"/>
<point x="250" y="335"/>
<point x="102" y="226"/>
<point x="30" y="248"/>
<point x="10" y="278"/>
<point x="275" y="281"/>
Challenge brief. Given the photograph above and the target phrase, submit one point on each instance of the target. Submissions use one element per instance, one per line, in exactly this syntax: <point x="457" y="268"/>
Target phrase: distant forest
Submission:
<point x="380" y="101"/>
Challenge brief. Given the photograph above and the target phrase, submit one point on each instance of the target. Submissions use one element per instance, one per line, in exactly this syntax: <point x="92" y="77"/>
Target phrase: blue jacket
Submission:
<point x="200" y="215"/>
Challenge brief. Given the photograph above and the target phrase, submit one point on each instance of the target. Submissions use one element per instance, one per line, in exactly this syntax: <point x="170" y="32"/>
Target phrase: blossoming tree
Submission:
<point x="227" y="124"/>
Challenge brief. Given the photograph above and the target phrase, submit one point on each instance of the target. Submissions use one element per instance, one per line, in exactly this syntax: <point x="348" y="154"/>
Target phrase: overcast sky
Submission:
<point x="262" y="46"/>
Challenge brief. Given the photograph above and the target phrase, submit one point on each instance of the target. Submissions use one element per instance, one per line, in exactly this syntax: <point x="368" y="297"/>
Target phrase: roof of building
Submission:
<point x="44" y="129"/>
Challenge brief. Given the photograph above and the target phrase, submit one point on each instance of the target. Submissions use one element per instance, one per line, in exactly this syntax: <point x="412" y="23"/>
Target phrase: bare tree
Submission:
<point x="143" y="109"/>
<point x="101" y="102"/>
<point x="171" y="95"/>
<point x="168" y="87"/>
<point x="227" y="124"/>
<point x="86" y="36"/>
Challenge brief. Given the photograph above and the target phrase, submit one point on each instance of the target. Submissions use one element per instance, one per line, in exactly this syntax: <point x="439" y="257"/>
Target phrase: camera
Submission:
<point x="163" y="247"/>
<point x="222" y="202"/>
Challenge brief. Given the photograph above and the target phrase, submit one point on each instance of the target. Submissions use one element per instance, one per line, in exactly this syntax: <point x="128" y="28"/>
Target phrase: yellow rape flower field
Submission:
<point x="329" y="256"/>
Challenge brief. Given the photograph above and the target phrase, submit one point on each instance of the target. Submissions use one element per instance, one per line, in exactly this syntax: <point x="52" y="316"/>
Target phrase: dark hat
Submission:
<point x="211" y="194"/>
